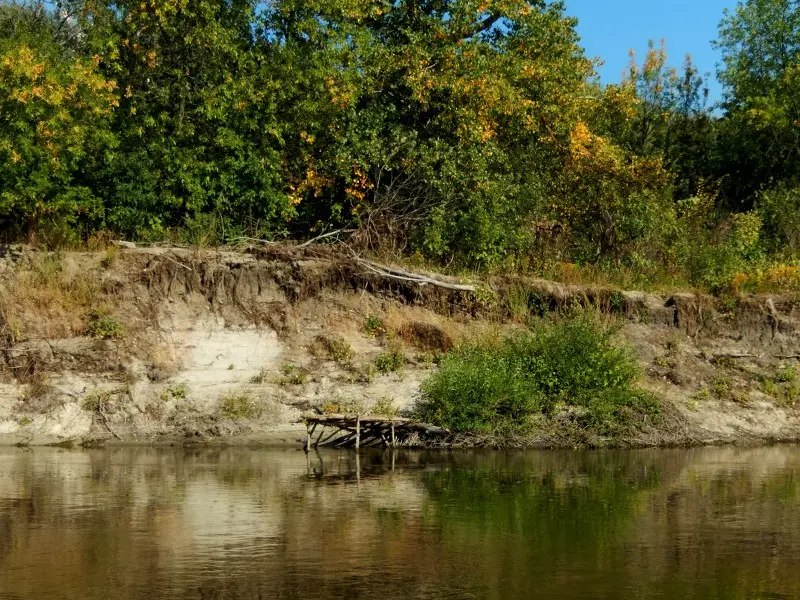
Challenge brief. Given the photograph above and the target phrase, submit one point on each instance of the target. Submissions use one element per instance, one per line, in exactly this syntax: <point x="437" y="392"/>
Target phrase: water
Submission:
<point x="138" y="523"/>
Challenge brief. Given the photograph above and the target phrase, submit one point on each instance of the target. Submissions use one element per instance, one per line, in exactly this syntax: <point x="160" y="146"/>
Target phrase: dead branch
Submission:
<point x="249" y="239"/>
<point x="323" y="236"/>
<point x="107" y="423"/>
<point x="400" y="274"/>
<point x="180" y="264"/>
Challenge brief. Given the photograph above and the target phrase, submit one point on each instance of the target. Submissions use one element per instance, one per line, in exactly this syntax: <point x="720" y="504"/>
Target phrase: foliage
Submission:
<point x="385" y="406"/>
<point x="56" y="114"/>
<point x="473" y="134"/>
<point x="241" y="406"/>
<point x="374" y="326"/>
<point x="104" y="327"/>
<point x="333" y="347"/>
<point x="390" y="361"/>
<point x="575" y="366"/>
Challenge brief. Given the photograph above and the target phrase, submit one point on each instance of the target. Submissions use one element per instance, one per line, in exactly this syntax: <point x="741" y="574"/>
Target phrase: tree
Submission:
<point x="55" y="113"/>
<point x="760" y="46"/>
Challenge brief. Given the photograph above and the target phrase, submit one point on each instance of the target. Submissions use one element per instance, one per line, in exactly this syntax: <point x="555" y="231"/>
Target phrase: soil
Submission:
<point x="173" y="345"/>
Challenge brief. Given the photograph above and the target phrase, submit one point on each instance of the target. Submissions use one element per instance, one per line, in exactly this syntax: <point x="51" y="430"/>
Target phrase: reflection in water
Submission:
<point x="235" y="523"/>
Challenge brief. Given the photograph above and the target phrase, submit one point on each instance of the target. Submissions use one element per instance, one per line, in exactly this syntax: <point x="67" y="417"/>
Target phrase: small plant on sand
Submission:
<point x="373" y="326"/>
<point x="345" y="406"/>
<point x="261" y="377"/>
<point x="722" y="388"/>
<point x="97" y="401"/>
<point x="385" y="406"/>
<point x="240" y="406"/>
<point x="577" y="368"/>
<point x="784" y="386"/>
<point x="104" y="327"/>
<point x="292" y="375"/>
<point x="390" y="361"/>
<point x="179" y="391"/>
<point x="332" y="347"/>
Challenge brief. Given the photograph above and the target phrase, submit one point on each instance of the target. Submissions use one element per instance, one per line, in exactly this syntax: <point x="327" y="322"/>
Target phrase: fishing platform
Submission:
<point x="361" y="431"/>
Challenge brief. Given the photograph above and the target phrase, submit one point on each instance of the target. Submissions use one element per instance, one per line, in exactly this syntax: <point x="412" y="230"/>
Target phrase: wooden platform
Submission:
<point x="360" y="431"/>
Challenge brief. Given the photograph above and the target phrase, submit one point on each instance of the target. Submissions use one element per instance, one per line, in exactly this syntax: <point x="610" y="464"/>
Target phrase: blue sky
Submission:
<point x="609" y="28"/>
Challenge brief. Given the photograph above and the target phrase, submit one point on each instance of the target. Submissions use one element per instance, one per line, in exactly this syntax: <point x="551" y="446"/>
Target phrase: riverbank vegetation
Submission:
<point x="456" y="132"/>
<point x="575" y="371"/>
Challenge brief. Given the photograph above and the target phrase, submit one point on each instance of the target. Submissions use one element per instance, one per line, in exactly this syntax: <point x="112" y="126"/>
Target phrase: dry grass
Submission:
<point x="43" y="298"/>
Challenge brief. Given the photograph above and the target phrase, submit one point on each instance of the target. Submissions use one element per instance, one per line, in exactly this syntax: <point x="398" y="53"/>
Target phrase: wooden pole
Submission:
<point x="394" y="442"/>
<point x="308" y="437"/>
<point x="358" y="431"/>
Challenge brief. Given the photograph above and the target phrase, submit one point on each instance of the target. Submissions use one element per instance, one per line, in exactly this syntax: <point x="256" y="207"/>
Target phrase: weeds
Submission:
<point x="353" y="406"/>
<point x="389" y="362"/>
<point x="334" y="348"/>
<point x="385" y="406"/>
<point x="104" y="327"/>
<point x="261" y="378"/>
<point x="292" y="375"/>
<point x="241" y="406"/>
<point x="373" y="326"/>
<point x="503" y="388"/>
<point x="97" y="401"/>
<point x="177" y="392"/>
<point x="784" y="386"/>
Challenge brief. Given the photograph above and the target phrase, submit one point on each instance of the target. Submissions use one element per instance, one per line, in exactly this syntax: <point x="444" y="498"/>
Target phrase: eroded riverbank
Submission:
<point x="166" y="345"/>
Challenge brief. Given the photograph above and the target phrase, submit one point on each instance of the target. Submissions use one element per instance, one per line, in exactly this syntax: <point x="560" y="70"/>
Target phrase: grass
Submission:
<point x="43" y="299"/>
<point x="506" y="387"/>
<point x="332" y="347"/>
<point x="385" y="406"/>
<point x="240" y="406"/>
<point x="784" y="386"/>
<point x="178" y="391"/>
<point x="292" y="375"/>
<point x="104" y="327"/>
<point x="374" y="326"/>
<point x="390" y="361"/>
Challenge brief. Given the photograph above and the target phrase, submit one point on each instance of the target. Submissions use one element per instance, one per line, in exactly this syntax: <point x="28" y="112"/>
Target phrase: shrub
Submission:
<point x="385" y="406"/>
<point x="373" y="326"/>
<point x="240" y="406"/>
<point x="389" y="362"/>
<point x="104" y="327"/>
<point x="503" y="388"/>
<point x="333" y="347"/>
<point x="292" y="375"/>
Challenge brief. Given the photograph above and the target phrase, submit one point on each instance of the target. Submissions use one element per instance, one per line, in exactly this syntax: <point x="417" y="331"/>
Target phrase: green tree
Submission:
<point x="56" y="108"/>
<point x="760" y="46"/>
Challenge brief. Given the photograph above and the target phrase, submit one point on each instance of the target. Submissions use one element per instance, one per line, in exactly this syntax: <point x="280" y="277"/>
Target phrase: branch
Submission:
<point x="400" y="274"/>
<point x="324" y="235"/>
<point x="482" y="26"/>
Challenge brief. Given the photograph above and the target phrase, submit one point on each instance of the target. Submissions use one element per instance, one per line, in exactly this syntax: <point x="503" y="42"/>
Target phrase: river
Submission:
<point x="234" y="523"/>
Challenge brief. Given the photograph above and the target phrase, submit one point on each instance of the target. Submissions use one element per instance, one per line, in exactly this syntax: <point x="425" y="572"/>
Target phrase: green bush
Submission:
<point x="390" y="361"/>
<point x="104" y="327"/>
<point x="575" y="367"/>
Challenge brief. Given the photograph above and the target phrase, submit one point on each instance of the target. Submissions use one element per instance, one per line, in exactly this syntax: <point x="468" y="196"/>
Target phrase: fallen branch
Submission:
<point x="323" y="236"/>
<point x="743" y="355"/>
<point x="180" y="264"/>
<point x="788" y="356"/>
<point x="400" y="274"/>
<point x="107" y="424"/>
<point x="249" y="239"/>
